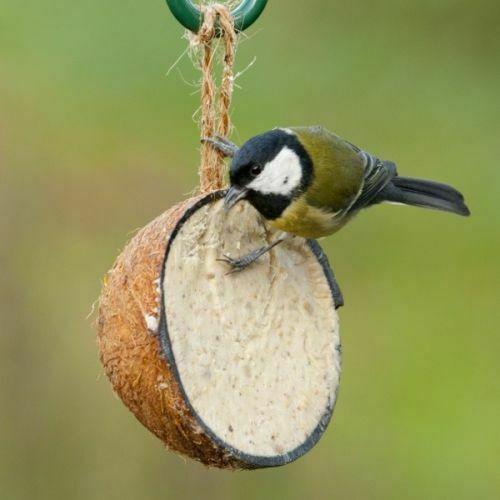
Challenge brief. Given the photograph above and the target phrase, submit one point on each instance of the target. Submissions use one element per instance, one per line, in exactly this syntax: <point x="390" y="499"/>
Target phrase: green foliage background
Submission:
<point x="96" y="140"/>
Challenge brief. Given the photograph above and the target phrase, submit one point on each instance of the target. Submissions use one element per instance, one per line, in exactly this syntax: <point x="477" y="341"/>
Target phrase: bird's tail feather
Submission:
<point x="422" y="193"/>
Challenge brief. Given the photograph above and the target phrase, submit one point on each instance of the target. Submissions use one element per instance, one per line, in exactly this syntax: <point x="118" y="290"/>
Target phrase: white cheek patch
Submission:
<point x="280" y="176"/>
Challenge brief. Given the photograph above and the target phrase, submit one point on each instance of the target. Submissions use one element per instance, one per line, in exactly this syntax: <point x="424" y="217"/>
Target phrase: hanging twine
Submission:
<point x="215" y="103"/>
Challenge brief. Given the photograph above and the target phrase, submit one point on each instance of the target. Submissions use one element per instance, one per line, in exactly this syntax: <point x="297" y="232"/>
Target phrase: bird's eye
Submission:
<point x="255" y="170"/>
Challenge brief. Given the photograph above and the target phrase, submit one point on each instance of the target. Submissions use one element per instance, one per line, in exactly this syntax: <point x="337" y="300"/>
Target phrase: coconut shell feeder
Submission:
<point x="239" y="370"/>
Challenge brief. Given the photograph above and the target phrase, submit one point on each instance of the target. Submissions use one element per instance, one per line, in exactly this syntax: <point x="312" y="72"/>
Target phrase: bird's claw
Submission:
<point x="242" y="263"/>
<point x="225" y="146"/>
<point x="237" y="265"/>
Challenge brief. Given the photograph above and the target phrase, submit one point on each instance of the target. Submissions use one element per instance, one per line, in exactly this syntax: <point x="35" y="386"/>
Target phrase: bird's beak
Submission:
<point x="233" y="196"/>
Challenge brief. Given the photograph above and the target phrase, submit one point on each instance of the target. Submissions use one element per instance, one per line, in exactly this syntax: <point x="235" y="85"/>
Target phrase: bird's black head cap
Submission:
<point x="251" y="159"/>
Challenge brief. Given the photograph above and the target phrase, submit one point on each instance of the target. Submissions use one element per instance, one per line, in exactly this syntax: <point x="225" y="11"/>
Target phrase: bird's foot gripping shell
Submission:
<point x="243" y="369"/>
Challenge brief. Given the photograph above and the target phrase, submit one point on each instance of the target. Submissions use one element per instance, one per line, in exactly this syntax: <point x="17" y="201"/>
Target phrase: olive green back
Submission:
<point x="338" y="169"/>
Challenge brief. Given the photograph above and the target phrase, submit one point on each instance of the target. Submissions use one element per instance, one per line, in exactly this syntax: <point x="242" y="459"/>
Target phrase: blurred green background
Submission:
<point x="96" y="140"/>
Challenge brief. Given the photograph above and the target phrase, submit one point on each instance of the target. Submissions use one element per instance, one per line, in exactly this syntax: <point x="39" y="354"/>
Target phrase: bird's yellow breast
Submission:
<point x="307" y="221"/>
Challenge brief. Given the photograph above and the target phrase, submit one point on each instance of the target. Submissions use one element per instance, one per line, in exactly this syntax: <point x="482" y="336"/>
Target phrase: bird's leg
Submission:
<point x="241" y="263"/>
<point x="225" y="146"/>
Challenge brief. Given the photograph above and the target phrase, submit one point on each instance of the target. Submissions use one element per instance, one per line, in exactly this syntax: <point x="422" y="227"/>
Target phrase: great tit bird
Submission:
<point x="309" y="182"/>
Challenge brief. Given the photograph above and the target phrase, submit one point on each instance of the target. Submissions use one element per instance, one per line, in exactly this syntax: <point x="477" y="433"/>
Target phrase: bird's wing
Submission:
<point x="338" y="169"/>
<point x="377" y="175"/>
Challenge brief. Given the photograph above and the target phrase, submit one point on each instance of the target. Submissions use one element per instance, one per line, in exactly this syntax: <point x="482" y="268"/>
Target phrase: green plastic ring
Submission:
<point x="247" y="12"/>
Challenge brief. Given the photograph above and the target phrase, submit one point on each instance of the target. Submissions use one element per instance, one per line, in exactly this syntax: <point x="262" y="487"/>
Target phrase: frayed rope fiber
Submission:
<point x="215" y="117"/>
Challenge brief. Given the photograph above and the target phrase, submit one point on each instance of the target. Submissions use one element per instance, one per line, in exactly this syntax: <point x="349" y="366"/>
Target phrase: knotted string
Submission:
<point x="215" y="103"/>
